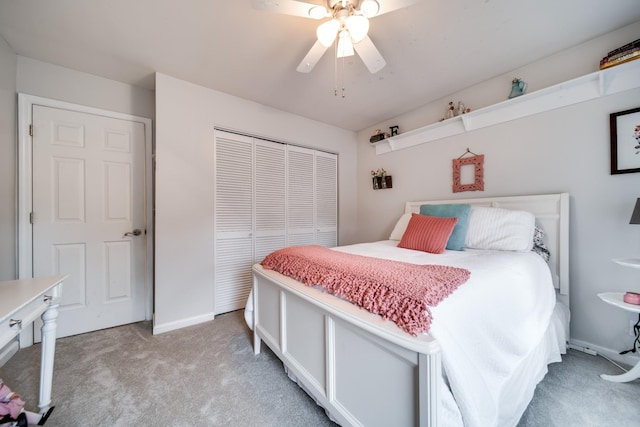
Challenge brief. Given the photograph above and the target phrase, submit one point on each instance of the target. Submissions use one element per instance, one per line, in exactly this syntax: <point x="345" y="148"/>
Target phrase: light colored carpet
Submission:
<point x="573" y="394"/>
<point x="204" y="375"/>
<point x="207" y="375"/>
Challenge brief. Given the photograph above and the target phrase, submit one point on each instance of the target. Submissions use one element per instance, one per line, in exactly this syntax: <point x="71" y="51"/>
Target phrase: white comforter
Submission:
<point x="498" y="331"/>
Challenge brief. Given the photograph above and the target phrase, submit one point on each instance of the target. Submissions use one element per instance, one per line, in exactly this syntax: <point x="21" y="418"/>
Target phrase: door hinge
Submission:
<point x="30" y="130"/>
<point x="30" y="217"/>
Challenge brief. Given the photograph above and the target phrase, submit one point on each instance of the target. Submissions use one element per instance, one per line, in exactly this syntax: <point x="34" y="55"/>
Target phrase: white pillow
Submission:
<point x="401" y="226"/>
<point x="500" y="229"/>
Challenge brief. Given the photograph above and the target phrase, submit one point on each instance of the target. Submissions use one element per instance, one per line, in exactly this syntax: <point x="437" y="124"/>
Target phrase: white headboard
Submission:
<point x="552" y="215"/>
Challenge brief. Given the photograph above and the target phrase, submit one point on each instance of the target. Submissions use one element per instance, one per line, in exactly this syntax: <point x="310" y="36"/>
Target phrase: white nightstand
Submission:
<point x="615" y="298"/>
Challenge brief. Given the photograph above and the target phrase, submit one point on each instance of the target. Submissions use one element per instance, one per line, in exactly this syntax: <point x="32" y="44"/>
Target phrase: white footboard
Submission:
<point x="365" y="371"/>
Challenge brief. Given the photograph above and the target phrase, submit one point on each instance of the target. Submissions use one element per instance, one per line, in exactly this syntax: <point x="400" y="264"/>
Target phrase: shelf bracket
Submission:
<point x="601" y="83"/>
<point x="466" y="123"/>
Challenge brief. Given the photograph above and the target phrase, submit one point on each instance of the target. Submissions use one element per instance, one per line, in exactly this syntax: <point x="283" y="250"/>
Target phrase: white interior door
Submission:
<point x="88" y="198"/>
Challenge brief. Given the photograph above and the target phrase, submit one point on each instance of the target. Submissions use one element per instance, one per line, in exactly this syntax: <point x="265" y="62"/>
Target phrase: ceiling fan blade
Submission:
<point x="387" y="6"/>
<point x="287" y="7"/>
<point x="370" y="55"/>
<point x="312" y="58"/>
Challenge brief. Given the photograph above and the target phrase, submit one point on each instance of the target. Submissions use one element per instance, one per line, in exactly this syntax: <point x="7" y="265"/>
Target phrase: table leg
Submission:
<point x="630" y="375"/>
<point x="48" y="352"/>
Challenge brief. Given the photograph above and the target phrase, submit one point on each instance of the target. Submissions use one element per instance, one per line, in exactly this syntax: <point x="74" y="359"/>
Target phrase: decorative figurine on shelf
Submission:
<point x="12" y="410"/>
<point x="394" y="130"/>
<point x="518" y="87"/>
<point x="462" y="109"/>
<point x="450" y="111"/>
<point x="378" y="136"/>
<point x="453" y="111"/>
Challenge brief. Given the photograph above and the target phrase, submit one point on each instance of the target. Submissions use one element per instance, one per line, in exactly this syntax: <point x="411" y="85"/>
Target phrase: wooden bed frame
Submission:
<point x="341" y="354"/>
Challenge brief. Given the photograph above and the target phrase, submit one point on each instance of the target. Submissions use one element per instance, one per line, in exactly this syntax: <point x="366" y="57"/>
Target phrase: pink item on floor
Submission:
<point x="10" y="402"/>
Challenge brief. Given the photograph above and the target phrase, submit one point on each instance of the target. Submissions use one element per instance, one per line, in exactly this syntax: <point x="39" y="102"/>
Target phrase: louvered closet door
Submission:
<point x="233" y="253"/>
<point x="270" y="198"/>
<point x="326" y="186"/>
<point x="300" y="196"/>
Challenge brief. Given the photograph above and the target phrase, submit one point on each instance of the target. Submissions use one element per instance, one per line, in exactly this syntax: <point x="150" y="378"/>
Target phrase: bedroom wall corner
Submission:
<point x="564" y="150"/>
<point x="64" y="84"/>
<point x="186" y="115"/>
<point x="8" y="161"/>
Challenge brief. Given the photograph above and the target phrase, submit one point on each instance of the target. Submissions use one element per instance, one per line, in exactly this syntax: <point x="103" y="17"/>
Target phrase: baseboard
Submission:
<point x="626" y="359"/>
<point x="587" y="350"/>
<point x="182" y="323"/>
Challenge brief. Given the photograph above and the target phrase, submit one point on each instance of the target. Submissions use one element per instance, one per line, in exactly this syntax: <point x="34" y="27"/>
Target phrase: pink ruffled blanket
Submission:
<point x="398" y="291"/>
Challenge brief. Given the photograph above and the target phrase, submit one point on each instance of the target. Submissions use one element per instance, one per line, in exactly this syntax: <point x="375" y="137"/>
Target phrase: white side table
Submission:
<point x="628" y="262"/>
<point x="615" y="298"/>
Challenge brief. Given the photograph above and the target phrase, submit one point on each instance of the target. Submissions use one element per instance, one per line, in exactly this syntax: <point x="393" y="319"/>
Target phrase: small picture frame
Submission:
<point x="625" y="141"/>
<point x="478" y="184"/>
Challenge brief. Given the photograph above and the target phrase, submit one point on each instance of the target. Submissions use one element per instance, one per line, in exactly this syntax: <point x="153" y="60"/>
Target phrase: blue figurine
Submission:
<point x="518" y="87"/>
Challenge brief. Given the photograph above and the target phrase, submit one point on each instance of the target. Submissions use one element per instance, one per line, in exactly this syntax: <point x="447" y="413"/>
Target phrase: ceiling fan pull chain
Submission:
<point x="335" y="68"/>
<point x="342" y="77"/>
<point x="335" y="72"/>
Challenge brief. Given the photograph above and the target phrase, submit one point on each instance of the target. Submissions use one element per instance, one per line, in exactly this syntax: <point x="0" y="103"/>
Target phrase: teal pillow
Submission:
<point x="454" y="210"/>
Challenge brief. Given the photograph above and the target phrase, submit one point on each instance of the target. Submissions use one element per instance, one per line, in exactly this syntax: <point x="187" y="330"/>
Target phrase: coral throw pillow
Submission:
<point x="427" y="233"/>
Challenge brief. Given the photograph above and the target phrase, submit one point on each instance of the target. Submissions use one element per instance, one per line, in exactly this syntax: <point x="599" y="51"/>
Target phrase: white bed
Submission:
<point x="479" y="363"/>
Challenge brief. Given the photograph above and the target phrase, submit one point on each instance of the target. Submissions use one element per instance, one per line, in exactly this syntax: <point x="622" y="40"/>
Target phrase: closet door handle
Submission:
<point x="135" y="232"/>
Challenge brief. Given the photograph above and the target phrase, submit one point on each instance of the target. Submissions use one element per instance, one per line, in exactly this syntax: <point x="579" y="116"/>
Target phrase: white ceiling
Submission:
<point x="432" y="48"/>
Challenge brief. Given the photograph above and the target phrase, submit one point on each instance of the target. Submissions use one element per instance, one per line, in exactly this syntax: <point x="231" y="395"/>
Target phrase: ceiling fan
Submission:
<point x="349" y="25"/>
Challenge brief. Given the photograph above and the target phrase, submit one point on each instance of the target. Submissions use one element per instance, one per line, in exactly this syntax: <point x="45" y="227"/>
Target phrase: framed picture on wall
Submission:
<point x="476" y="183"/>
<point x="625" y="141"/>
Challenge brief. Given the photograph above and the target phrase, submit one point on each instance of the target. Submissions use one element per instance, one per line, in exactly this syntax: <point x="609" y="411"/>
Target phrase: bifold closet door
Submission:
<point x="326" y="199"/>
<point x="300" y="196"/>
<point x="250" y="206"/>
<point x="269" y="198"/>
<point x="233" y="248"/>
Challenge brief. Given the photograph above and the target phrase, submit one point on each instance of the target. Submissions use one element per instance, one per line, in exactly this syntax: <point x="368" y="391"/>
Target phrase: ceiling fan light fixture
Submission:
<point x="358" y="27"/>
<point x="345" y="46"/>
<point x="327" y="32"/>
<point x="317" y="12"/>
<point x="369" y="8"/>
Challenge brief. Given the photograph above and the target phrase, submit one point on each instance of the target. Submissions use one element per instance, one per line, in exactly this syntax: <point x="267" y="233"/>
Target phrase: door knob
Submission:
<point x="135" y="232"/>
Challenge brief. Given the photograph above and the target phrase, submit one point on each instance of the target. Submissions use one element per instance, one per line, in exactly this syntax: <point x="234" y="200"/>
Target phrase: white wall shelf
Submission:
<point x="601" y="83"/>
<point x="628" y="262"/>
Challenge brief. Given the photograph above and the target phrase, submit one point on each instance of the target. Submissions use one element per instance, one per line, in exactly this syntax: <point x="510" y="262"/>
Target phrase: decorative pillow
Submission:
<point x="460" y="211"/>
<point x="400" y="227"/>
<point x="500" y="229"/>
<point x="538" y="244"/>
<point x="427" y="233"/>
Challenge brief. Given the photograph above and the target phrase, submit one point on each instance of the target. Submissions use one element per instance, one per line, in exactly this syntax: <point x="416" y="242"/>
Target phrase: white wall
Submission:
<point x="64" y="84"/>
<point x="565" y="150"/>
<point x="8" y="153"/>
<point x="185" y="118"/>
